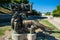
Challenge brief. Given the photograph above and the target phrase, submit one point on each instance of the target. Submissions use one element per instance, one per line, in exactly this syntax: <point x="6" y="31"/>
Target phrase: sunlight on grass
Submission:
<point x="47" y="23"/>
<point x="2" y="32"/>
<point x="56" y="35"/>
<point x="3" y="29"/>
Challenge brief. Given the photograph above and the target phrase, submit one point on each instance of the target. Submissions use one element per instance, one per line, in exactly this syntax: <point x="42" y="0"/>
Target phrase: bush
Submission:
<point x="56" y="15"/>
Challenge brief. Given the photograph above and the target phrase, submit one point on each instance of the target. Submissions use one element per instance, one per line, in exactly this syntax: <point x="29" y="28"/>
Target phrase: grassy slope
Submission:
<point x="46" y="22"/>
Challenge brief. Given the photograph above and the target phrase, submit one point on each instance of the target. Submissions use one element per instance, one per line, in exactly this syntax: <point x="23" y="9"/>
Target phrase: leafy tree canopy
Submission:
<point x="58" y="7"/>
<point x="9" y="1"/>
<point x="34" y="12"/>
<point x="5" y="1"/>
<point x="48" y="13"/>
<point x="20" y="1"/>
<point x="56" y="12"/>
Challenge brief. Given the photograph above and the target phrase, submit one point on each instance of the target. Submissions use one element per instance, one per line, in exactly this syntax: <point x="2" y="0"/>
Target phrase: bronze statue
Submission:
<point x="20" y="12"/>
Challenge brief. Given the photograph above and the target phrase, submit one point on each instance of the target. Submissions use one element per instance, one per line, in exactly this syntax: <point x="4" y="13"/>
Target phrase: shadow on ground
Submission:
<point x="42" y="36"/>
<point x="5" y="24"/>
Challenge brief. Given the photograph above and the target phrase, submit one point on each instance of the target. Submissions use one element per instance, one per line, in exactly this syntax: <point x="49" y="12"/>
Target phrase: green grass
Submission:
<point x="3" y="29"/>
<point x="56" y="35"/>
<point x="48" y="24"/>
<point x="2" y="32"/>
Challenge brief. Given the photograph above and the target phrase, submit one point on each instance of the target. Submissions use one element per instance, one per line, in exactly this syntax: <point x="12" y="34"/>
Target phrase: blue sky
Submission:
<point x="45" y="5"/>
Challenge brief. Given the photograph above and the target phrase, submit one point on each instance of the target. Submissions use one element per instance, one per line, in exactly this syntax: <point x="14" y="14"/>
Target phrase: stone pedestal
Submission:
<point x="19" y="37"/>
<point x="31" y="36"/>
<point x="23" y="36"/>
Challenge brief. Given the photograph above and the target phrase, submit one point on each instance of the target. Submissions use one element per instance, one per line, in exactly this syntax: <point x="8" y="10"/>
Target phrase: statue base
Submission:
<point x="27" y="36"/>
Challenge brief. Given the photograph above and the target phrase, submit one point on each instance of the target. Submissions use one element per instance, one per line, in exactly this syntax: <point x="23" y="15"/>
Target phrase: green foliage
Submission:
<point x="34" y="12"/>
<point x="56" y="12"/>
<point x="58" y="7"/>
<point x="40" y="13"/>
<point x="9" y="1"/>
<point x="48" y="13"/>
<point x="5" y="1"/>
<point x="21" y="1"/>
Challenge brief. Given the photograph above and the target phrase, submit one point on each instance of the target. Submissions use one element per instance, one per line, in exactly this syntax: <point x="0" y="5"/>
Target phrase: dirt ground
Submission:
<point x="6" y="35"/>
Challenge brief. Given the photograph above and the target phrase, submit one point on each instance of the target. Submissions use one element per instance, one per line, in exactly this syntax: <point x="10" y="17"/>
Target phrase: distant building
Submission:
<point x="43" y="14"/>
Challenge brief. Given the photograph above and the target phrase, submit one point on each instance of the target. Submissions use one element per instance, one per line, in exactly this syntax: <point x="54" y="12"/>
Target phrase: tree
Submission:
<point x="34" y="12"/>
<point x="20" y="1"/>
<point x="56" y="12"/>
<point x="5" y="1"/>
<point x="48" y="13"/>
<point x="58" y="7"/>
<point x="40" y="13"/>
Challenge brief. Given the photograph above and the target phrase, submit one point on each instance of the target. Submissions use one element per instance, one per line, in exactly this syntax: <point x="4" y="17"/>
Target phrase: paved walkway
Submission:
<point x="55" y="21"/>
